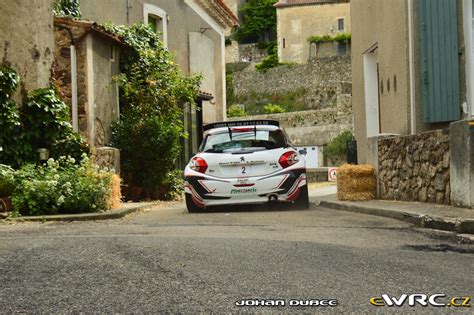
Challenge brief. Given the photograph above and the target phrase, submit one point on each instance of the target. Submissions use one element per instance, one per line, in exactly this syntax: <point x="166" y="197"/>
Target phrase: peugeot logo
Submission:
<point x="242" y="159"/>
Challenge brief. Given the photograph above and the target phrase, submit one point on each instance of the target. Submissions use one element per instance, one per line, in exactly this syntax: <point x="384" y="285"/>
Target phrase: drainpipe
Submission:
<point x="411" y="47"/>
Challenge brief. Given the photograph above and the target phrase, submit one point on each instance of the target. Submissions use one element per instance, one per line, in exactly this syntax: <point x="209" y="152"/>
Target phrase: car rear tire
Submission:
<point x="192" y="208"/>
<point x="302" y="202"/>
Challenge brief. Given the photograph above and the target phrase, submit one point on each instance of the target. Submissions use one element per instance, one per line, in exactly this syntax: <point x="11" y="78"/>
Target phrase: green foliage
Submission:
<point x="150" y="76"/>
<point x="259" y="19"/>
<point x="316" y="39"/>
<point x="236" y="111"/>
<point x="230" y="93"/>
<point x="69" y="8"/>
<point x="254" y="102"/>
<point x="61" y="186"/>
<point x="343" y="37"/>
<point x="152" y="90"/>
<point x="273" y="109"/>
<point x="7" y="178"/>
<point x="9" y="81"/>
<point x="149" y="145"/>
<point x="42" y="122"/>
<point x="228" y="41"/>
<point x="174" y="183"/>
<point x="338" y="145"/>
<point x="268" y="63"/>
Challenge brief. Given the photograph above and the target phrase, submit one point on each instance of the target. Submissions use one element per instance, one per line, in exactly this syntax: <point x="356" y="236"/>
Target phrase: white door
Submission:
<point x="311" y="157"/>
<point x="371" y="93"/>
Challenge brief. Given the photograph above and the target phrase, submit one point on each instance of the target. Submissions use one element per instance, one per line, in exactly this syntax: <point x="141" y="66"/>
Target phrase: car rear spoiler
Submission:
<point x="240" y="123"/>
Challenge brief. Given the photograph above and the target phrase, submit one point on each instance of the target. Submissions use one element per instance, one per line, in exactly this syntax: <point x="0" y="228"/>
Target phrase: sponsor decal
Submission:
<point x="291" y="302"/>
<point x="424" y="300"/>
<point x="243" y="191"/>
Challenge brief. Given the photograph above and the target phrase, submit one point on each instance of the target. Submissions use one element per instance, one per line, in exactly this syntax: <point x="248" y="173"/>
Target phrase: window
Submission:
<point x="340" y="24"/>
<point x="155" y="23"/>
<point x="284" y="43"/>
<point x="157" y="19"/>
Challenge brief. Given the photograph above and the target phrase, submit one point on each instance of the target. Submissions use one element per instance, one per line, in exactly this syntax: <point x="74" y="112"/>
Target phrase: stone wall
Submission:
<point x="252" y="53"/>
<point x="314" y="127"/>
<point x="61" y="70"/>
<point x="315" y="85"/>
<point x="26" y="41"/>
<point x="415" y="168"/>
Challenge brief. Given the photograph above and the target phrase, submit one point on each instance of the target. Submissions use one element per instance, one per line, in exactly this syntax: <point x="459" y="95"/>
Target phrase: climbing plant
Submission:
<point x="69" y="8"/>
<point x="259" y="20"/>
<point x="153" y="88"/>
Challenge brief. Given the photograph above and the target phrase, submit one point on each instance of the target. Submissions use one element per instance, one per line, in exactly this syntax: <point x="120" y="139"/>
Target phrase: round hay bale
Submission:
<point x="356" y="182"/>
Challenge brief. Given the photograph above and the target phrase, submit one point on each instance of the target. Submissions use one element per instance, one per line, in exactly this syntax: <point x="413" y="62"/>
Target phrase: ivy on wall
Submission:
<point x="340" y="38"/>
<point x="69" y="8"/>
<point x="260" y="20"/>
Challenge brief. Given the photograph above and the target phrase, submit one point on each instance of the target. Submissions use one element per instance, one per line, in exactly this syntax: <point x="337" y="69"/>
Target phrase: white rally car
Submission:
<point x="245" y="162"/>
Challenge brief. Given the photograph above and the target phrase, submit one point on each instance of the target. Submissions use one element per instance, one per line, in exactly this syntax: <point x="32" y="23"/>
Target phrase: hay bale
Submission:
<point x="115" y="199"/>
<point x="356" y="182"/>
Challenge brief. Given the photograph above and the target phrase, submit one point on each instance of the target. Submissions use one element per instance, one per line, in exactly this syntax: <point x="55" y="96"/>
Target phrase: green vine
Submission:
<point x="340" y="38"/>
<point x="69" y="8"/>
<point x="153" y="89"/>
<point x="42" y="122"/>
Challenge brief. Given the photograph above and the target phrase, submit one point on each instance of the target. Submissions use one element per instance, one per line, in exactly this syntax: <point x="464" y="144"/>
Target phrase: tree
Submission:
<point x="259" y="20"/>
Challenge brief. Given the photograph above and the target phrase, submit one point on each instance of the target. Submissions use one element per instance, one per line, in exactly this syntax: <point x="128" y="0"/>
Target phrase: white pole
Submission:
<point x="75" y="116"/>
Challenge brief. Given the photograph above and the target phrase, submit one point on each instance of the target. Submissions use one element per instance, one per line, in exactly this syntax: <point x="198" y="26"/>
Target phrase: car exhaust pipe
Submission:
<point x="273" y="198"/>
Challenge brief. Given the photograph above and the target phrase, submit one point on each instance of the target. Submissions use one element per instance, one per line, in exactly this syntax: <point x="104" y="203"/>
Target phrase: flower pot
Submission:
<point x="6" y="204"/>
<point x="136" y="193"/>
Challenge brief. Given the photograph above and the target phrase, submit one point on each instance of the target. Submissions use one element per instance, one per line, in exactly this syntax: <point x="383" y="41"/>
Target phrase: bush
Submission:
<point x="6" y="180"/>
<point x="273" y="109"/>
<point x="338" y="146"/>
<point x="46" y="125"/>
<point x="153" y="88"/>
<point x="175" y="185"/>
<point x="42" y="122"/>
<point x="149" y="144"/>
<point x="61" y="186"/>
<point x="268" y="63"/>
<point x="236" y="111"/>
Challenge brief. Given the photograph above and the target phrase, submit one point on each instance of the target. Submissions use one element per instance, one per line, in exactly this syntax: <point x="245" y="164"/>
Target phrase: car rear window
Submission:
<point x="244" y="141"/>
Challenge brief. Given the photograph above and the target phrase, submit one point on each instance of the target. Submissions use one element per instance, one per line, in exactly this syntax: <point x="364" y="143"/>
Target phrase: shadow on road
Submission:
<point x="268" y="207"/>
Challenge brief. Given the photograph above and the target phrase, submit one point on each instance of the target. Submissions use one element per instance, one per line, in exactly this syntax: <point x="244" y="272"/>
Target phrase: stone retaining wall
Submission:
<point x="415" y="168"/>
<point x="312" y="127"/>
<point x="316" y="85"/>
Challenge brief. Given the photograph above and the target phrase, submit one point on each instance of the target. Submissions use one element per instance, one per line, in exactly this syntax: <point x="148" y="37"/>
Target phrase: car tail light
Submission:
<point x="288" y="158"/>
<point x="198" y="165"/>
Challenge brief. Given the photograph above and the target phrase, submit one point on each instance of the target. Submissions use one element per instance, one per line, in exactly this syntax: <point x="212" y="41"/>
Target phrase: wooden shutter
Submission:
<point x="439" y="60"/>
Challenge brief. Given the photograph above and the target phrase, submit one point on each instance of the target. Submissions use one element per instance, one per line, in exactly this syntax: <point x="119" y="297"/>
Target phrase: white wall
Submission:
<point x="201" y="60"/>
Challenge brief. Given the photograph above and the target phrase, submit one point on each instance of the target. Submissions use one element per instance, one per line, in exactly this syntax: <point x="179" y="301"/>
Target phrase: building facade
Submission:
<point x="412" y="68"/>
<point x="297" y="20"/>
<point x="193" y="29"/>
<point x="27" y="46"/>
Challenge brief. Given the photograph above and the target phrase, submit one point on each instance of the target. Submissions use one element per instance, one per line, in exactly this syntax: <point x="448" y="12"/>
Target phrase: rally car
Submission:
<point x="245" y="162"/>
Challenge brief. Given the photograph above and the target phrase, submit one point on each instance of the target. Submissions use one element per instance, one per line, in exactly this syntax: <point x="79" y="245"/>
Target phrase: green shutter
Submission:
<point x="439" y="60"/>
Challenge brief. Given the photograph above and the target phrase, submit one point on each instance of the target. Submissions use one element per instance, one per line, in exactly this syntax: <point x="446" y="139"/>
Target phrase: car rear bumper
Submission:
<point x="209" y="191"/>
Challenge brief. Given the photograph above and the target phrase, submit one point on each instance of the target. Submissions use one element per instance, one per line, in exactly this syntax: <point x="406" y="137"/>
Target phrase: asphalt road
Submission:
<point x="166" y="260"/>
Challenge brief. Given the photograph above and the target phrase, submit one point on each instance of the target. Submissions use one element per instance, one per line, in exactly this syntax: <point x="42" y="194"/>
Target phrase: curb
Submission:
<point x="114" y="214"/>
<point x="463" y="226"/>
